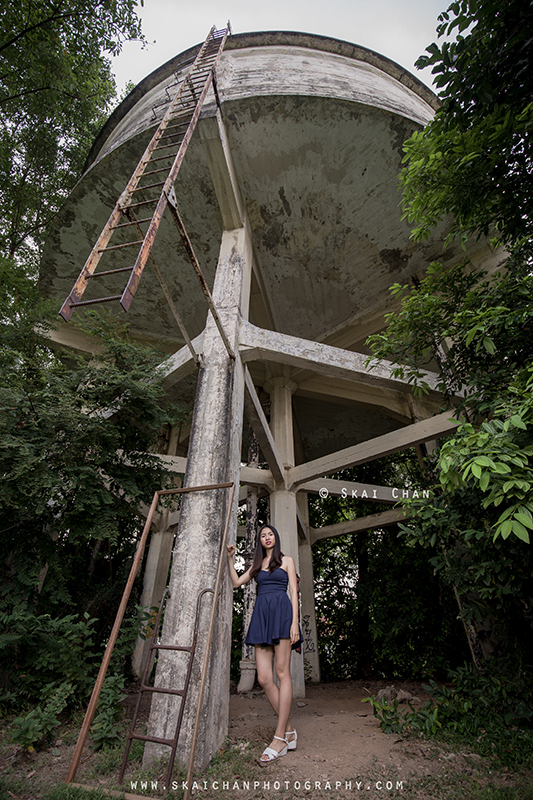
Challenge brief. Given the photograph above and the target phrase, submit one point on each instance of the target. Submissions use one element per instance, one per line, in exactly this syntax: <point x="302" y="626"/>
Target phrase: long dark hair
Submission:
<point x="260" y="553"/>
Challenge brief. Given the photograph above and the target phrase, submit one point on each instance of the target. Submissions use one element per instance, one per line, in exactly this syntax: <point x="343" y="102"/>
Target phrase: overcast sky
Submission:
<point x="398" y="29"/>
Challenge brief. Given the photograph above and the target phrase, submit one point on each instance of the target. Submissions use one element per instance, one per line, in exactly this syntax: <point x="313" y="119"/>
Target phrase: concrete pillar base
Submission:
<point x="247" y="681"/>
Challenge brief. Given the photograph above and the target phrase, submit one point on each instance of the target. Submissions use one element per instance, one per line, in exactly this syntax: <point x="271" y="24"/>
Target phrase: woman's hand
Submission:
<point x="231" y="550"/>
<point x="295" y="633"/>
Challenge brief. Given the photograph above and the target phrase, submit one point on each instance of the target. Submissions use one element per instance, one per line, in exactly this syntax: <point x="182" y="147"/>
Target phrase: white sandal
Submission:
<point x="292" y="744"/>
<point x="271" y="753"/>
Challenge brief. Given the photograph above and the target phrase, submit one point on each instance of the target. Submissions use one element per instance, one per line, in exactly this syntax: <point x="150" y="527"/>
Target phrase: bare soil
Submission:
<point x="341" y="751"/>
<point x="339" y="739"/>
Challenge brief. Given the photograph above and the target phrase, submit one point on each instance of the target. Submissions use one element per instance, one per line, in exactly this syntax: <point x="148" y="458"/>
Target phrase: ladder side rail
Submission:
<point x="145" y="158"/>
<point x="187" y="681"/>
<point x="173" y="743"/>
<point x="140" y="263"/>
<point x="175" y="313"/>
<point x="111" y="644"/>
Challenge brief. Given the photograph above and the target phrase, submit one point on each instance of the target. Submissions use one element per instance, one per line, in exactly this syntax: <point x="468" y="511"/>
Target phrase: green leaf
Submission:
<point x="520" y="531"/>
<point x="484" y="481"/>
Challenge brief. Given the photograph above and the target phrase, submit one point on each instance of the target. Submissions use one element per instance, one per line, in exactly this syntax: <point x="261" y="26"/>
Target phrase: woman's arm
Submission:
<point x="236" y="579"/>
<point x="293" y="591"/>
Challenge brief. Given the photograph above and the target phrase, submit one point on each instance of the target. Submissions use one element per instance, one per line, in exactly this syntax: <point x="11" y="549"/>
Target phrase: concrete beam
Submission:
<point x="303" y="526"/>
<point x="257" y="477"/>
<point x="250" y="476"/>
<point x="372" y="449"/>
<point x="257" y="419"/>
<point x="380" y="520"/>
<point x="70" y="337"/>
<point x="215" y="141"/>
<point x="260" y="344"/>
<point x="397" y="403"/>
<point x="181" y="363"/>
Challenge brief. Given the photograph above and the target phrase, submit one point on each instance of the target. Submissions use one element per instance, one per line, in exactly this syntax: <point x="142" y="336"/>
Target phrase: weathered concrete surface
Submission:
<point x="311" y="661"/>
<point x="214" y="457"/>
<point x="283" y="508"/>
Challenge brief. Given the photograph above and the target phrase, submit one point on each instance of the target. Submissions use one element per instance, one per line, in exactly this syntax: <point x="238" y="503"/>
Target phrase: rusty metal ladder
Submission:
<point x="144" y="687"/>
<point x="145" y="189"/>
<point x="91" y="708"/>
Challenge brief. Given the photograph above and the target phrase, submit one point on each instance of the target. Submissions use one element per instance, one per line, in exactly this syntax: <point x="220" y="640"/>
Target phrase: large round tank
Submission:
<point x="315" y="128"/>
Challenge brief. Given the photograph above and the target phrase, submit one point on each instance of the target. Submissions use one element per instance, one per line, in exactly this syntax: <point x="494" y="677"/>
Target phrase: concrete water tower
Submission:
<point x="289" y="193"/>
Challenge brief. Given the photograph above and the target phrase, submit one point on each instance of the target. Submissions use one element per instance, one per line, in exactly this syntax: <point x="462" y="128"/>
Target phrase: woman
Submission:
<point x="273" y="630"/>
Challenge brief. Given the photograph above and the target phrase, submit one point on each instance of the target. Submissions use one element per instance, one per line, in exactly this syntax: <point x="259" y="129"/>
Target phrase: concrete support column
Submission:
<point x="213" y="457"/>
<point x="283" y="509"/>
<point x="307" y="595"/>
<point x="247" y="664"/>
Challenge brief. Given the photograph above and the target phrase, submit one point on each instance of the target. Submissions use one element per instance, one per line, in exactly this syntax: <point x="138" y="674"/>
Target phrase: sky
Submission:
<point x="398" y="29"/>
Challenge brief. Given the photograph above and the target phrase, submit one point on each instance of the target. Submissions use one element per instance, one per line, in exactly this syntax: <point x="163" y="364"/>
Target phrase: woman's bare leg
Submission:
<point x="283" y="671"/>
<point x="275" y="695"/>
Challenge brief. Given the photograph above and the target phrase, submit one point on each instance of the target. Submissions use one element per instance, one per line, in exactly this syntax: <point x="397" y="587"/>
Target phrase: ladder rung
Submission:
<point x="127" y="224"/>
<point x="140" y="203"/>
<point x="184" y="111"/>
<point x="110" y="272"/>
<point x="155" y="171"/>
<point x="97" y="300"/>
<point x="148" y="186"/>
<point x="197" y="80"/>
<point x="160" y="158"/>
<point x="178" y="692"/>
<point x="171" y="647"/>
<point x="120" y="246"/>
<point x="183" y="125"/>
<point x="174" y="135"/>
<point x="164" y="146"/>
<point x="144" y="738"/>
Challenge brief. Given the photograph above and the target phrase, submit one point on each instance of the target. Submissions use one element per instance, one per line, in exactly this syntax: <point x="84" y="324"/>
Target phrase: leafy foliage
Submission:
<point x="55" y="88"/>
<point x="75" y="435"/>
<point x="474" y="330"/>
<point x="477" y="332"/>
<point x="493" y="712"/>
<point x="474" y="160"/>
<point x="38" y="653"/>
<point x="39" y="723"/>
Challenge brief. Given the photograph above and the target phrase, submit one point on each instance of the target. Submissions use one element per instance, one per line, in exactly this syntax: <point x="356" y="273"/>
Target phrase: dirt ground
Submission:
<point x="338" y="735"/>
<point x="341" y="751"/>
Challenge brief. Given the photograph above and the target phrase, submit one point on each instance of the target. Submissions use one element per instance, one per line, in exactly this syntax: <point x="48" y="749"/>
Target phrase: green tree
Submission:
<point x="56" y="85"/>
<point x="75" y="436"/>
<point x="475" y="330"/>
<point x="474" y="160"/>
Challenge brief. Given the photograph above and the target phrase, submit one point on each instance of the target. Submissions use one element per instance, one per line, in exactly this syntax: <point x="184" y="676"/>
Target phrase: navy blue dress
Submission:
<point x="272" y="615"/>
